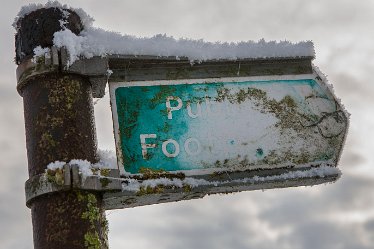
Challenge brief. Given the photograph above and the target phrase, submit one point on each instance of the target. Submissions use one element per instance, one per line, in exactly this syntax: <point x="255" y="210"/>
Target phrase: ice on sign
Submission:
<point x="233" y="124"/>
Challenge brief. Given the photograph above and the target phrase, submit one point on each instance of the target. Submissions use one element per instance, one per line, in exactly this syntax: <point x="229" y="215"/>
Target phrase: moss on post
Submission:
<point x="97" y="236"/>
<point x="59" y="126"/>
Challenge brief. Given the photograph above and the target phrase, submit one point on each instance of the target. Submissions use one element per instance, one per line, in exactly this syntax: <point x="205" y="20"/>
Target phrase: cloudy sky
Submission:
<point x="339" y="215"/>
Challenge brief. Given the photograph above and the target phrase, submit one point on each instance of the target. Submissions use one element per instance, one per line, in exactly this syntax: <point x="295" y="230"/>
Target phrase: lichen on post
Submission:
<point x="59" y="126"/>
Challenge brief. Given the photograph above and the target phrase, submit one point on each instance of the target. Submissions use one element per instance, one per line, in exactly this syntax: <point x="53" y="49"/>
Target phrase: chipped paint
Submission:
<point x="228" y="123"/>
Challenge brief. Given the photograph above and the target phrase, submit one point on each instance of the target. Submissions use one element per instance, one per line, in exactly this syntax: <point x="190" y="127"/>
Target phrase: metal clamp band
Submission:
<point x="57" y="60"/>
<point x="69" y="178"/>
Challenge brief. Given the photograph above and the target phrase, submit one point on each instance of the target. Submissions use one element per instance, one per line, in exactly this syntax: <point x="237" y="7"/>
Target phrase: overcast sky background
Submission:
<point x="332" y="216"/>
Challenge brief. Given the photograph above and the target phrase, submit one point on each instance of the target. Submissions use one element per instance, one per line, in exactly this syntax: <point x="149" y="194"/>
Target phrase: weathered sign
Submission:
<point x="184" y="131"/>
<point x="200" y="126"/>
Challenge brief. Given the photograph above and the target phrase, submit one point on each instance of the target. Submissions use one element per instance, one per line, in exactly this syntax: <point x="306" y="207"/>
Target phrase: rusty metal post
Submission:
<point x="60" y="126"/>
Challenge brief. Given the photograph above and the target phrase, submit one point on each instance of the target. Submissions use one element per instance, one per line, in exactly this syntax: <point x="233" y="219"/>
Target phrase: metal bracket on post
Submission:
<point x="42" y="184"/>
<point x="33" y="67"/>
<point x="57" y="59"/>
<point x="95" y="69"/>
<point x="71" y="178"/>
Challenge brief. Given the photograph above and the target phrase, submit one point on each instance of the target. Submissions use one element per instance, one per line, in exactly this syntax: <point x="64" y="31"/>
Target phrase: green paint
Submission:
<point x="177" y="125"/>
<point x="259" y="152"/>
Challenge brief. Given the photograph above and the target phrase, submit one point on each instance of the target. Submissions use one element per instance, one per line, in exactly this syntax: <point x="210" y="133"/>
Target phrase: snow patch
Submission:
<point x="108" y="159"/>
<point x="86" y="168"/>
<point x="109" y="72"/>
<point x="98" y="42"/>
<point x="41" y="52"/>
<point x="323" y="171"/>
<point x="27" y="9"/>
<point x="73" y="43"/>
<point x="56" y="165"/>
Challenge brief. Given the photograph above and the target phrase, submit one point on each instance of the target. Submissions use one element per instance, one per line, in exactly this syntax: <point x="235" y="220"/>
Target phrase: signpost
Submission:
<point x="185" y="131"/>
<point x="182" y="131"/>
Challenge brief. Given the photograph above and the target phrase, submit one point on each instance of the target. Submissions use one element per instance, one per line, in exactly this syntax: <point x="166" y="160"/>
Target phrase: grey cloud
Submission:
<point x="351" y="193"/>
<point x="193" y="226"/>
<point x="279" y="209"/>
<point x="235" y="20"/>
<point x="326" y="235"/>
<point x="351" y="86"/>
<point x="303" y="207"/>
<point x="5" y="146"/>
<point x="369" y="228"/>
<point x="305" y="214"/>
<point x="353" y="158"/>
<point x="370" y="225"/>
<point x="15" y="225"/>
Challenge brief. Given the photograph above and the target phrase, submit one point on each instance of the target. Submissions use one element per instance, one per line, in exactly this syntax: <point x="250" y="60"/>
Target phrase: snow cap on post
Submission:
<point x="36" y="28"/>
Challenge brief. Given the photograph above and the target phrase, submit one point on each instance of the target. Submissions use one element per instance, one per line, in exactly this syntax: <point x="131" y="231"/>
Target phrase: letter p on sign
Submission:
<point x="170" y="108"/>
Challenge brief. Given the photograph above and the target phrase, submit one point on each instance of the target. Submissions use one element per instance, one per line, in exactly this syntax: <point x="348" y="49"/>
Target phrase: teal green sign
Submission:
<point x="225" y="124"/>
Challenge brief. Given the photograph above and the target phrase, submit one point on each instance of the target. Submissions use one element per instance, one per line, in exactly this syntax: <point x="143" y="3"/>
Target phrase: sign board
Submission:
<point x="202" y="126"/>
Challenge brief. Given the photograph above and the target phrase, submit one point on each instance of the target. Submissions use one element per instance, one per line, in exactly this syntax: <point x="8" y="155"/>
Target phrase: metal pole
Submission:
<point x="60" y="126"/>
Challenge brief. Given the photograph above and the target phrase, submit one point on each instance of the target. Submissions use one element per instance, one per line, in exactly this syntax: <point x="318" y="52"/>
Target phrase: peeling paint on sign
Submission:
<point x="203" y="125"/>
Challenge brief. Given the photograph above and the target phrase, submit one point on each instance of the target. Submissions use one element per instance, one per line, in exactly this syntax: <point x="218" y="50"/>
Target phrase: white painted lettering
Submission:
<point x="198" y="110"/>
<point x="144" y="144"/>
<point x="176" y="148"/>
<point x="187" y="148"/>
<point x="170" y="108"/>
<point x="208" y="105"/>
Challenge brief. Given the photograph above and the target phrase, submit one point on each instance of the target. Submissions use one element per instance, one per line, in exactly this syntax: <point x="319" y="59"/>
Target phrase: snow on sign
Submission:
<point x="193" y="118"/>
<point x="202" y="126"/>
